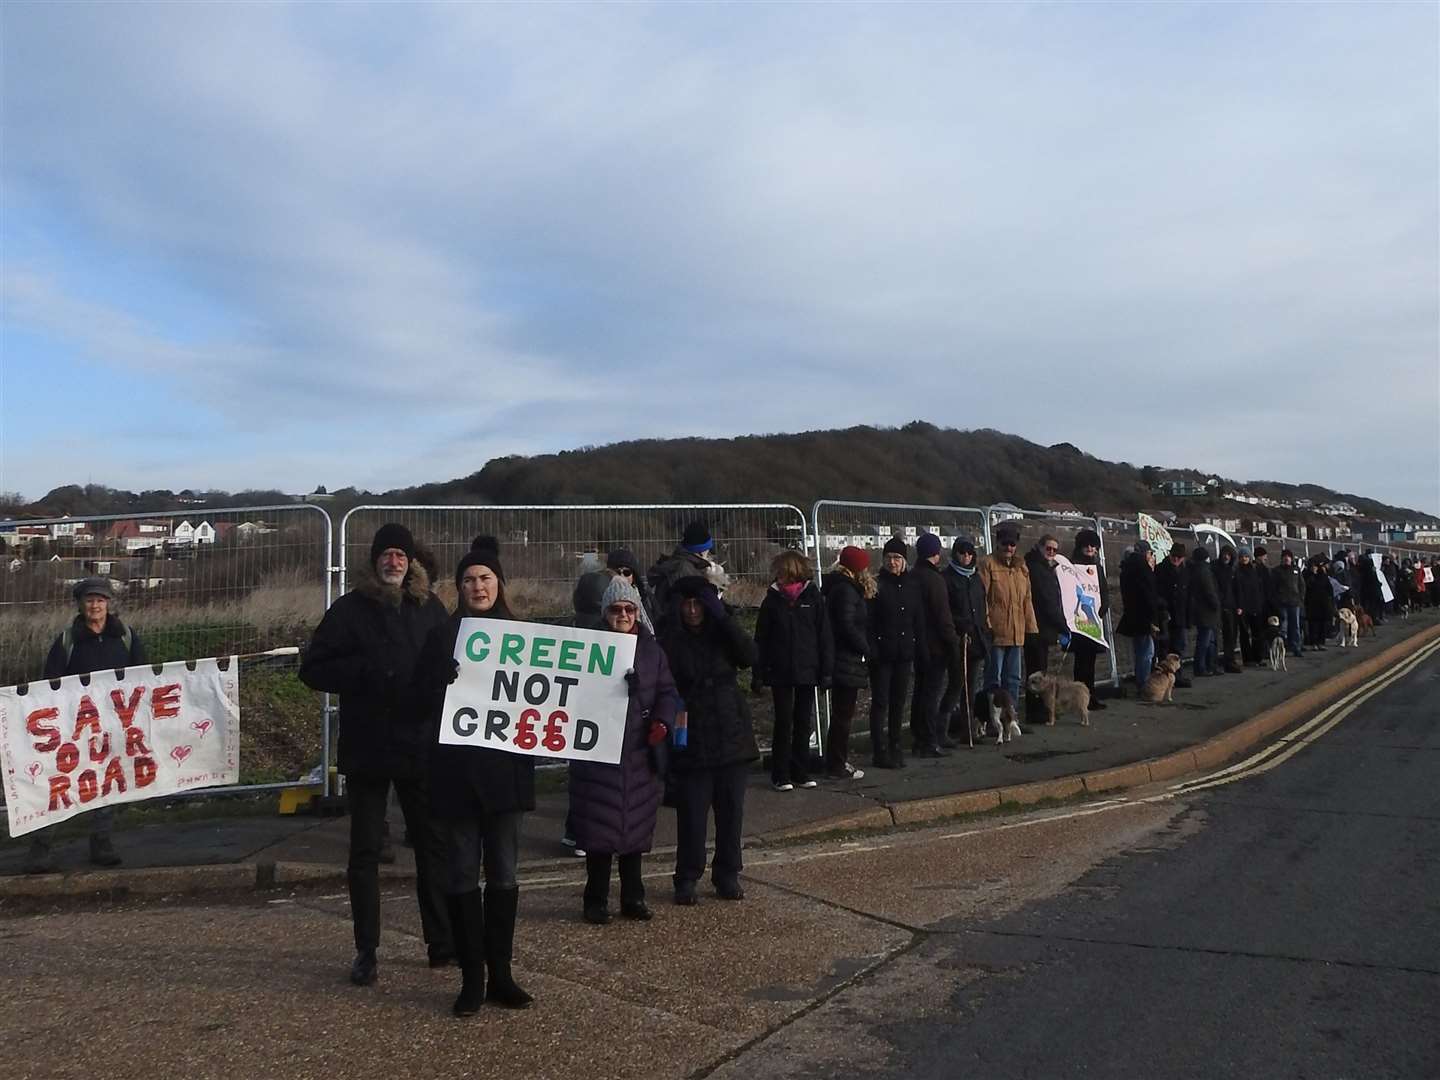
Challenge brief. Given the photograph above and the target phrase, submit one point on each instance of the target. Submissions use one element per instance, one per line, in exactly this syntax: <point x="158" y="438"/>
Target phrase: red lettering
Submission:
<point x="87" y="715"/>
<point x="114" y="776"/>
<point x="35" y="725"/>
<point x="165" y="701"/>
<point x="144" y="771"/>
<point x="59" y="788"/>
<point x="100" y="749"/>
<point x="88" y="786"/>
<point x="67" y="757"/>
<point x="124" y="711"/>
<point x="525" y="737"/>
<point x="554" y="740"/>
<point x="135" y="742"/>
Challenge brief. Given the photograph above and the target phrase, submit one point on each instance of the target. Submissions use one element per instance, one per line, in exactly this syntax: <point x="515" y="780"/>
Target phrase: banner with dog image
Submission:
<point x="1156" y="535"/>
<point x="545" y="691"/>
<point x="87" y="741"/>
<point x="1080" y="597"/>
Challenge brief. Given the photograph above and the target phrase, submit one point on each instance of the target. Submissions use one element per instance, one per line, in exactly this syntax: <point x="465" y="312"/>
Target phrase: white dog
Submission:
<point x="1277" y="644"/>
<point x="1349" y="629"/>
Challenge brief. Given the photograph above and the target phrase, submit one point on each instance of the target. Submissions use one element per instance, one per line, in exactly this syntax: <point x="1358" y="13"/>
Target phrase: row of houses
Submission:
<point x="132" y="534"/>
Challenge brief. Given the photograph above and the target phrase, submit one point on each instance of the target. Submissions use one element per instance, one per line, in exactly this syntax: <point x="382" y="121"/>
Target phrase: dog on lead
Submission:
<point x="1277" y="644"/>
<point x="1161" y="684"/>
<point x="1367" y="624"/>
<point x="1056" y="694"/>
<point x="1004" y="721"/>
<point x="1349" y="633"/>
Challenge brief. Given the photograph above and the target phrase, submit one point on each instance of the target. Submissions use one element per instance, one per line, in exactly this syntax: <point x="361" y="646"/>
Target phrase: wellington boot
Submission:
<point x="467" y="927"/>
<point x="500" y="909"/>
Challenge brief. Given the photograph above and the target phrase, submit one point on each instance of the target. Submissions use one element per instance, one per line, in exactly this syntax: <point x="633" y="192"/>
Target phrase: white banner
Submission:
<point x="1156" y="535"/>
<point x="1386" y="593"/>
<point x="545" y="691"/>
<point x="71" y="746"/>
<point x="1080" y="597"/>
<point x="1429" y="575"/>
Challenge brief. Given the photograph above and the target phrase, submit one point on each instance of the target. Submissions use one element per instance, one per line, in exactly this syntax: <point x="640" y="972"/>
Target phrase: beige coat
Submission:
<point x="1009" y="614"/>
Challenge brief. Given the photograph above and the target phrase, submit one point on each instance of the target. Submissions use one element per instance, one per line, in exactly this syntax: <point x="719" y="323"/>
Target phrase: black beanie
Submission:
<point x="963" y="546"/>
<point x="392" y="535"/>
<point x="697" y="538"/>
<point x="1200" y="554"/>
<point x="484" y="551"/>
<point x="896" y="546"/>
<point x="622" y="559"/>
<point x="1086" y="538"/>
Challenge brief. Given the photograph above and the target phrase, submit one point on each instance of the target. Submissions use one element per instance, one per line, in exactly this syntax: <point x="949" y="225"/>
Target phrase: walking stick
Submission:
<point x="965" y="674"/>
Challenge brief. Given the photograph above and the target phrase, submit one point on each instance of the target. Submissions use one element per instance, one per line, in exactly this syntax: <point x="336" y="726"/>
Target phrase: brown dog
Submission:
<point x="1367" y="624"/>
<point x="1161" y="684"/>
<point x="1072" y="696"/>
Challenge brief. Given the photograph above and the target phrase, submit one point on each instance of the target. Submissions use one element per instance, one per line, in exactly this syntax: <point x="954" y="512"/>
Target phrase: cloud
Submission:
<point x="486" y="229"/>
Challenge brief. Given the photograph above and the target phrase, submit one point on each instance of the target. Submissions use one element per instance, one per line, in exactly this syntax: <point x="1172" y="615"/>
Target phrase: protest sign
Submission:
<point x="87" y="741"/>
<point x="1080" y="597"/>
<point x="1386" y="593"/>
<point x="1429" y="575"/>
<point x="545" y="691"/>
<point x="1156" y="535"/>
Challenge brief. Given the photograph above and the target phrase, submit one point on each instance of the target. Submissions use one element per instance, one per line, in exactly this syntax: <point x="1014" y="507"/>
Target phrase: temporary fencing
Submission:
<point x="191" y="583"/>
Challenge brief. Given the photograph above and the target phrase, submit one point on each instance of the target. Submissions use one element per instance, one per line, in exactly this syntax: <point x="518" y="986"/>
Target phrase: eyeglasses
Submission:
<point x="1052" y="551"/>
<point x="622" y="609"/>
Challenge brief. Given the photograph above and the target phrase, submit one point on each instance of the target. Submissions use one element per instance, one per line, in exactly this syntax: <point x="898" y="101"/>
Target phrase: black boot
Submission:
<point x="467" y="928"/>
<point x="102" y="851"/>
<point x="500" y="908"/>
<point x="364" y="969"/>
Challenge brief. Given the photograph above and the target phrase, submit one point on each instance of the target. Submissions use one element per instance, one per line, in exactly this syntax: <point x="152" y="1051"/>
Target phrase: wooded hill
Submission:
<point x="918" y="463"/>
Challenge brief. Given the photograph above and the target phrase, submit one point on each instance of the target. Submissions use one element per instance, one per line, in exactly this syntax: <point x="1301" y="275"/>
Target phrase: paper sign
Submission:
<point x="96" y="740"/>
<point x="1080" y="597"/>
<point x="1386" y="593"/>
<point x="545" y="691"/>
<point x="1156" y="535"/>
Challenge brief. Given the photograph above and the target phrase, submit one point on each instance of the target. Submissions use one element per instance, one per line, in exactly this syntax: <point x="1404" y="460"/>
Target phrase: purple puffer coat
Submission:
<point x="614" y="806"/>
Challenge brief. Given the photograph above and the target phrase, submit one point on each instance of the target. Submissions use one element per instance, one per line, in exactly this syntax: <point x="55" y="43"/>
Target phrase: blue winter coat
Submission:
<point x="613" y="807"/>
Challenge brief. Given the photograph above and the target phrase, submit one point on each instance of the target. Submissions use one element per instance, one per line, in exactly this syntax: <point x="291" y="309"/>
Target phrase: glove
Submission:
<point x="454" y="672"/>
<point x="712" y="603"/>
<point x="658" y="733"/>
<point x="632" y="680"/>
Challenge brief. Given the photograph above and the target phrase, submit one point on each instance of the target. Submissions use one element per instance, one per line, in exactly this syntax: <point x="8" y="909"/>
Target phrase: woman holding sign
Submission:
<point x="614" y="806"/>
<point x="478" y="796"/>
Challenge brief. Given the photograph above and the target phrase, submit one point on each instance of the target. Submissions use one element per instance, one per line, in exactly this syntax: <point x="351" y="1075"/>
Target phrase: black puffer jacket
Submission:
<point x="1204" y="593"/>
<point x="466" y="781"/>
<point x="792" y="639"/>
<point x="1045" y="595"/>
<point x="1319" y="596"/>
<point x="1288" y="585"/>
<point x="1224" y="571"/>
<point x="966" y="594"/>
<point x="90" y="651"/>
<point x="1249" y="589"/>
<point x="897" y="623"/>
<point x="1172" y="584"/>
<point x="704" y="664"/>
<point x="1138" y="596"/>
<point x="845" y="604"/>
<point x="365" y="649"/>
<point x="941" y="640"/>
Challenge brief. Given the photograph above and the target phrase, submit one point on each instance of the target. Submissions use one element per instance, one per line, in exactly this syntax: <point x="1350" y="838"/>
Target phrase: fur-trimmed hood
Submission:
<point x="415" y="588"/>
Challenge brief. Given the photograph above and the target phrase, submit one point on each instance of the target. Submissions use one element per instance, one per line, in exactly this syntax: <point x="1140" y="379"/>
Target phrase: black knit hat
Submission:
<point x="697" y="537"/>
<point x="1086" y="538"/>
<point x="621" y="559"/>
<point x="484" y="551"/>
<point x="963" y="546"/>
<point x="896" y="546"/>
<point x="392" y="535"/>
<point x="927" y="545"/>
<point x="692" y="587"/>
<point x="1201" y="553"/>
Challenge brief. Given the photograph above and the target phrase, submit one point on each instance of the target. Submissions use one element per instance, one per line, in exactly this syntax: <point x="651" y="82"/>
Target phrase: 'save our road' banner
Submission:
<point x="545" y="691"/>
<point x="87" y="741"/>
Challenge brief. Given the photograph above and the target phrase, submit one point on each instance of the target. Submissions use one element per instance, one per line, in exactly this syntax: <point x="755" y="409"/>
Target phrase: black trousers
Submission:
<point x="698" y="792"/>
<point x="491" y="841"/>
<point x="957" y="693"/>
<point x="1229" y="636"/>
<point x="368" y="797"/>
<point x="1252" y="635"/>
<point x="1085" y="653"/>
<point x="889" y="688"/>
<point x="1037" y="654"/>
<point x="925" y="704"/>
<point x="597" y="879"/>
<point x="1316" y="631"/>
<point x="794" y="721"/>
<point x="842" y="717"/>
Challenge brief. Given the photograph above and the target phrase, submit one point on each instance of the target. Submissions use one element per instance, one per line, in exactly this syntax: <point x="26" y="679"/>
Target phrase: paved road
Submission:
<point x="1284" y="925"/>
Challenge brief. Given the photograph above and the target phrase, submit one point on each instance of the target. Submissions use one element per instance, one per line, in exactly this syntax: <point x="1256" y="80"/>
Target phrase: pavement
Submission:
<point x="1127" y="744"/>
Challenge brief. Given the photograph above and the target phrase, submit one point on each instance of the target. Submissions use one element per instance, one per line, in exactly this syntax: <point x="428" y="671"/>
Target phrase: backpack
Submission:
<point x="67" y="641"/>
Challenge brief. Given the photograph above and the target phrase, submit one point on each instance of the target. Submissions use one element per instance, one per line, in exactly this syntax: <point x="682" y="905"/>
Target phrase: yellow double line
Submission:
<point x="1287" y="746"/>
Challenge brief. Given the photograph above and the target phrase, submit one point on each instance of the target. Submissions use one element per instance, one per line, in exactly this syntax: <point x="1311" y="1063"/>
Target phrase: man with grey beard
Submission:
<point x="365" y="649"/>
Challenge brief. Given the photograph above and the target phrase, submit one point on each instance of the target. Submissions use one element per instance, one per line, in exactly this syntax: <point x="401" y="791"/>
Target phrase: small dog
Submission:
<point x="1074" y="696"/>
<point x="1367" y="624"/>
<point x="1161" y="684"/>
<point x="1349" y="629"/>
<point x="1003" y="718"/>
<point x="1277" y="644"/>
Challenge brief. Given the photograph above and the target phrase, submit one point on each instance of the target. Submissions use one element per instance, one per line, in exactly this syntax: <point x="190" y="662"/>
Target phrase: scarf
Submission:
<point x="793" y="590"/>
<point x="963" y="571"/>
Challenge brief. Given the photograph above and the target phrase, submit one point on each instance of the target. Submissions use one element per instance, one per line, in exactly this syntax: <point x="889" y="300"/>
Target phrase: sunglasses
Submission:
<point x="622" y="609"/>
<point x="625" y="571"/>
<point x="1008" y="543"/>
<point x="1052" y="551"/>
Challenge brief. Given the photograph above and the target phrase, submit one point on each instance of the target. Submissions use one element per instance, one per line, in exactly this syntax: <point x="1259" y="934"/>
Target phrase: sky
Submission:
<point x="273" y="245"/>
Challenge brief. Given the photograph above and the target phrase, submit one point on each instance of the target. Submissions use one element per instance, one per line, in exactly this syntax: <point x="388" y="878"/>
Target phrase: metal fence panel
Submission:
<point x="192" y="583"/>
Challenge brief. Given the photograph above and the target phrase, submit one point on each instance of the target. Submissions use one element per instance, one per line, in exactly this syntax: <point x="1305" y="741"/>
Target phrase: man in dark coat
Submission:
<point x="707" y="648"/>
<point x="1204" y="610"/>
<point x="691" y="558"/>
<point x="1049" y="613"/>
<point x="1141" y="609"/>
<point x="897" y="630"/>
<point x="1250" y="604"/>
<point x="366" y="649"/>
<point x="1224" y="571"/>
<point x="1172" y="583"/>
<point x="844" y="589"/>
<point x="95" y="641"/>
<point x="940" y="654"/>
<point x="1371" y="596"/>
<point x="966" y="595"/>
<point x="1287" y="587"/>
